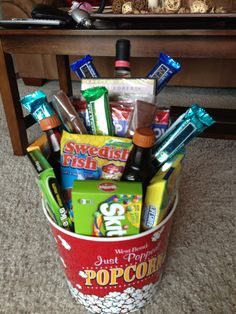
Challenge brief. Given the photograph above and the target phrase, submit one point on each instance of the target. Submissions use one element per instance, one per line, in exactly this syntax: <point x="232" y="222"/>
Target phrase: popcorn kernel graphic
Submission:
<point x="82" y="274"/>
<point x="129" y="300"/>
<point x="64" y="243"/>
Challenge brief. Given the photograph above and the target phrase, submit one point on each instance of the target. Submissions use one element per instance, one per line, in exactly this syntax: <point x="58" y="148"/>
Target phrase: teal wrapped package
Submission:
<point x="189" y="125"/>
<point x="36" y="104"/>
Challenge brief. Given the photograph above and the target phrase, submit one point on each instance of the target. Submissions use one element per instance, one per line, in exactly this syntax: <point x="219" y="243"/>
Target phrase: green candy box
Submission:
<point x="106" y="208"/>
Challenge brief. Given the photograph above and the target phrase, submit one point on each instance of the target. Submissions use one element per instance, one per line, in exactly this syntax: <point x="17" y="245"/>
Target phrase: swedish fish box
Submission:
<point x="161" y="193"/>
<point x="105" y="208"/>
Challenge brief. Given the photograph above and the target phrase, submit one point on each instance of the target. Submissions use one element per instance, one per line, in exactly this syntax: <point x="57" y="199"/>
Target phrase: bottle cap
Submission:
<point x="123" y="49"/>
<point x="49" y="123"/>
<point x="144" y="137"/>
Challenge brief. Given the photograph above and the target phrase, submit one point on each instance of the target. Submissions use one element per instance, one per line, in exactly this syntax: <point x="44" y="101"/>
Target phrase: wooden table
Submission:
<point x="145" y="43"/>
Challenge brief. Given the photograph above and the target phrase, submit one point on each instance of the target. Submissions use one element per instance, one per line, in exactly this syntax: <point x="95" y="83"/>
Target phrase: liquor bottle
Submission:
<point x="122" y="62"/>
<point x="139" y="164"/>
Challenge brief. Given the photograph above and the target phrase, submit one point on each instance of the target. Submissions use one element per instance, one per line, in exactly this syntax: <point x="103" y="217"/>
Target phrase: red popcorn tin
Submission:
<point x="113" y="275"/>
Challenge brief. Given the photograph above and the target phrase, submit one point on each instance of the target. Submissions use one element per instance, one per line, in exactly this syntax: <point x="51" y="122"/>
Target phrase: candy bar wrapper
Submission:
<point x="161" y="192"/>
<point x="122" y="110"/>
<point x="67" y="114"/>
<point x="121" y="116"/>
<point x="37" y="105"/>
<point x="107" y="208"/>
<point x="161" y="122"/>
<point x="99" y="110"/>
<point x="189" y="125"/>
<point x="143" y="116"/>
<point x="91" y="157"/>
<point x="130" y="111"/>
<point x="164" y="70"/>
<point x="84" y="68"/>
<point x="41" y="144"/>
<point x="50" y="190"/>
<point x="81" y="107"/>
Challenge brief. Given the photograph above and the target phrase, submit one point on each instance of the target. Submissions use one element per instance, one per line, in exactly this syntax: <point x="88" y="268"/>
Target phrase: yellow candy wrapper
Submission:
<point x="161" y="193"/>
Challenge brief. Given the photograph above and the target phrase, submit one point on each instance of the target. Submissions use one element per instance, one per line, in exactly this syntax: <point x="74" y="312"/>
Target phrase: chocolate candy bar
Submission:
<point x="84" y="68"/>
<point x="164" y="70"/>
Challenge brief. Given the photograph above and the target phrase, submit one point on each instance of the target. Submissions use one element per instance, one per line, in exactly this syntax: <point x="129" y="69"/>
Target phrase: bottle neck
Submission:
<point x="122" y="73"/>
<point x="54" y="139"/>
<point x="122" y="68"/>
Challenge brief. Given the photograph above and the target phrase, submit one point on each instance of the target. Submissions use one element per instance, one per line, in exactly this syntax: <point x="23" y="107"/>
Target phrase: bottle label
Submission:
<point x="122" y="73"/>
<point x="122" y="64"/>
<point x="54" y="142"/>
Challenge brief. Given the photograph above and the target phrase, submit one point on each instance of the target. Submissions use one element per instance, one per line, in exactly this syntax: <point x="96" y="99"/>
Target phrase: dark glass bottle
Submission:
<point x="139" y="164"/>
<point x="51" y="126"/>
<point x="122" y="62"/>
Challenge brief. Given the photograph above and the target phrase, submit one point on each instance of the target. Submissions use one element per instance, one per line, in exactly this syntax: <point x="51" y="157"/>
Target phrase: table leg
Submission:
<point x="63" y="68"/>
<point x="12" y="105"/>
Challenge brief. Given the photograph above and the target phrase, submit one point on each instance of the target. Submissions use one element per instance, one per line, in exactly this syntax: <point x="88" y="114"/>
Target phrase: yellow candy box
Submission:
<point x="161" y="193"/>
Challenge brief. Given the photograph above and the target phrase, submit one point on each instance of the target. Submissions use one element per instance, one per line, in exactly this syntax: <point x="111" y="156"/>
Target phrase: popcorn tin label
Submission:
<point x="113" y="275"/>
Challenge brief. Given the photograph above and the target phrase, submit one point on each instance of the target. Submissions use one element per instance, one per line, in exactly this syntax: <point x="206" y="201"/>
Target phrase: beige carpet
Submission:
<point x="200" y="274"/>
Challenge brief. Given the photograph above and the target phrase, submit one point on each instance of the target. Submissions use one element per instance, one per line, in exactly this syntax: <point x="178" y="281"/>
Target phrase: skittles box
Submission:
<point x="106" y="208"/>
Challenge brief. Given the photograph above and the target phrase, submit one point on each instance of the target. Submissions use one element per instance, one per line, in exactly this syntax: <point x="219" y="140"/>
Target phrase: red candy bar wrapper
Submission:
<point x="81" y="107"/>
<point x="161" y="122"/>
<point x="121" y="116"/>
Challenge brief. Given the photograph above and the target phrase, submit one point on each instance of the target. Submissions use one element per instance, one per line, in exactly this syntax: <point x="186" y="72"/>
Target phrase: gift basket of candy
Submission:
<point x="108" y="166"/>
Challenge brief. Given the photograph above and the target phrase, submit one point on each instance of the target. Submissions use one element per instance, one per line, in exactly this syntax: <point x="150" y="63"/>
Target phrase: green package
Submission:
<point x="50" y="189"/>
<point x="99" y="110"/>
<point x="106" y="208"/>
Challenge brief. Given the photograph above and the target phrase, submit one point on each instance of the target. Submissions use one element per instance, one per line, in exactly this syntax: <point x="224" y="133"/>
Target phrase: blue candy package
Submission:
<point x="164" y="70"/>
<point x="84" y="68"/>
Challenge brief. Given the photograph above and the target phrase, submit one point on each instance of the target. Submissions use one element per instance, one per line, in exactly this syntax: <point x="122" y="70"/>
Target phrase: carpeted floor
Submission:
<point x="200" y="275"/>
